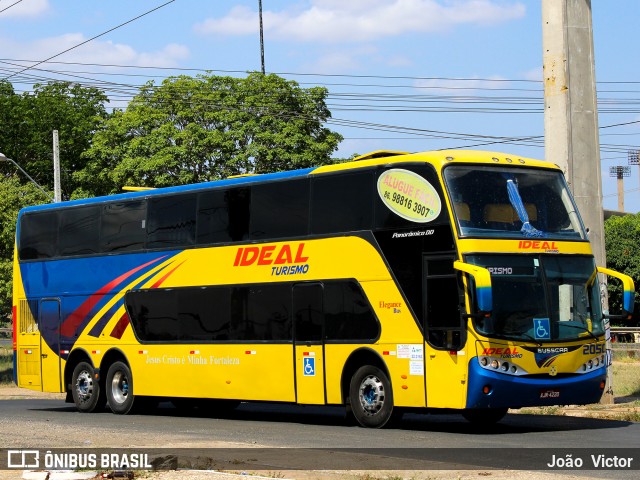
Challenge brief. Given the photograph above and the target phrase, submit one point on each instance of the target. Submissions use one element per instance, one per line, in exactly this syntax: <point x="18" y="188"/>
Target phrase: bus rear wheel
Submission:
<point x="119" y="385"/>
<point x="85" y="389"/>
<point x="370" y="397"/>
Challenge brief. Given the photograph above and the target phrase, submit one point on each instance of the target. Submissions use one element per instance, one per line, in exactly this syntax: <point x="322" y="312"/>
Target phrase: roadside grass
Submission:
<point x="626" y="387"/>
<point x="626" y="381"/>
<point x="6" y="367"/>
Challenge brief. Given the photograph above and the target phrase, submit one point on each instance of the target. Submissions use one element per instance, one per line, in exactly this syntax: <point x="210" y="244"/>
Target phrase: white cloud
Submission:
<point x="361" y="20"/>
<point x="448" y="84"/>
<point x="26" y="8"/>
<point x="105" y="52"/>
<point x="533" y="74"/>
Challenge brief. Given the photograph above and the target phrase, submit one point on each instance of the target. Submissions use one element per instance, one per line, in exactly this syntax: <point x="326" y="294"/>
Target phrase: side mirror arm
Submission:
<point x="628" y="297"/>
<point x="482" y="279"/>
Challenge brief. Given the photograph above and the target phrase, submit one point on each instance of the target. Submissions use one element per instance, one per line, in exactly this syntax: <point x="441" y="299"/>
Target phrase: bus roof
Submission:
<point x="438" y="158"/>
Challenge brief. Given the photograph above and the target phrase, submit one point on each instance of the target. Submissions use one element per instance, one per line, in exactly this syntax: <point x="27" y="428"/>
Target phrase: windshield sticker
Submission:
<point x="409" y="196"/>
<point x="542" y="328"/>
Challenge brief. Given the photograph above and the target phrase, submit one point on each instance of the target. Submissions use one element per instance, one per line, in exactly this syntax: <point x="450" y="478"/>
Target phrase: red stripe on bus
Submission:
<point x="161" y="281"/>
<point x="120" y="327"/>
<point x="73" y="321"/>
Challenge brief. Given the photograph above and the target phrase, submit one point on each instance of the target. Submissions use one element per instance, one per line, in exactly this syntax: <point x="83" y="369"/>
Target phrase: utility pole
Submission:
<point x="571" y="121"/>
<point x="261" y="36"/>
<point x="571" y="116"/>
<point x="57" y="190"/>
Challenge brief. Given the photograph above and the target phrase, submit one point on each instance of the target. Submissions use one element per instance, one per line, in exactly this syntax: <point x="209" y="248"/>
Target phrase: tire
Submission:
<point x="370" y="397"/>
<point x="119" y="386"/>
<point x="85" y="389"/>
<point x="484" y="416"/>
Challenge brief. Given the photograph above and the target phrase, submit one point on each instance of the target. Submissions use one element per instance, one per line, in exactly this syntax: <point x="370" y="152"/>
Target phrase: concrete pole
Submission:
<point x="620" y="193"/>
<point x="57" y="190"/>
<point x="571" y="118"/>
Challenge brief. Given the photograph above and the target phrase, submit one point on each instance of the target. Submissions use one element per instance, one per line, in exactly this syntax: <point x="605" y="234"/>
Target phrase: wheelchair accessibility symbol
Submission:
<point x="309" y="366"/>
<point x="542" y="328"/>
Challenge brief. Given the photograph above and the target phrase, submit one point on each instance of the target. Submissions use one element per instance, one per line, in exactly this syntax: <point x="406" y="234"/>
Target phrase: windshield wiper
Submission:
<point x="534" y="340"/>
<point x="581" y="327"/>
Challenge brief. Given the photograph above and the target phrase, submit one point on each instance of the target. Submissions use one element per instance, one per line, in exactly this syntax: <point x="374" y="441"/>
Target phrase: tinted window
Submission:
<point x="204" y="314"/>
<point x="308" y="312"/>
<point x="261" y="312"/>
<point x="79" y="231"/>
<point x="213" y="218"/>
<point x="123" y="226"/>
<point x="172" y="221"/>
<point x="348" y="315"/>
<point x="223" y="215"/>
<point x="38" y="234"/>
<point x="280" y="209"/>
<point x="342" y="203"/>
<point x="443" y="304"/>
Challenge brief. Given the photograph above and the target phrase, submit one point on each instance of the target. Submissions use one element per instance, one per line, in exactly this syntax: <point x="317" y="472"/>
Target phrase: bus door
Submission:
<point x="308" y="325"/>
<point x="445" y="333"/>
<point x="49" y="320"/>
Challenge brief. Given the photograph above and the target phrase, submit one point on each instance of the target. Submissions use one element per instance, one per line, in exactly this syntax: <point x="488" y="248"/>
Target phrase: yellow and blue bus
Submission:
<point x="436" y="281"/>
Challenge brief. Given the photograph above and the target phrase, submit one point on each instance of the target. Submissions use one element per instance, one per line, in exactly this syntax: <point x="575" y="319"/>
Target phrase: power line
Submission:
<point x="91" y="39"/>
<point x="12" y="5"/>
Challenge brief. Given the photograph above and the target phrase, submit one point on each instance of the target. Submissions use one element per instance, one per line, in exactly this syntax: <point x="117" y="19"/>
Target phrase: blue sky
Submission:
<point x="407" y="75"/>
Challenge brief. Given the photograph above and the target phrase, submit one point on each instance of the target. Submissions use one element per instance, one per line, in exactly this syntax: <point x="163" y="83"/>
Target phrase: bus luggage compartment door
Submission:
<point x="49" y="315"/>
<point x="28" y="343"/>
<point x="308" y="321"/>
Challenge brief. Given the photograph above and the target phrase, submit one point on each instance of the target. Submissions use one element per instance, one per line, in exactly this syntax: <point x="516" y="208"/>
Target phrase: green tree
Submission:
<point x="622" y="238"/>
<point x="193" y="129"/>
<point x="14" y="195"/>
<point x="28" y="121"/>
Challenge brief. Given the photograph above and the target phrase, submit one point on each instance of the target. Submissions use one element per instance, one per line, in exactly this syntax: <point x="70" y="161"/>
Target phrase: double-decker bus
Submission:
<point x="436" y="281"/>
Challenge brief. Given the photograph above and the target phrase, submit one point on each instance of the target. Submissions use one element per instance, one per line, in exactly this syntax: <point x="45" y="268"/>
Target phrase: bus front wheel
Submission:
<point x="119" y="385"/>
<point x="86" y="391"/>
<point x="370" y="397"/>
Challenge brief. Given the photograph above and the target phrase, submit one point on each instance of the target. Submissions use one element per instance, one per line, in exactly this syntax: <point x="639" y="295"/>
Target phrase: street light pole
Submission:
<point x="4" y="158"/>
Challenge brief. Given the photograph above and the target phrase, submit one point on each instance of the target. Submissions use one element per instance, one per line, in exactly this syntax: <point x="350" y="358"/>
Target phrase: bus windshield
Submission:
<point x="512" y="202"/>
<point x="541" y="298"/>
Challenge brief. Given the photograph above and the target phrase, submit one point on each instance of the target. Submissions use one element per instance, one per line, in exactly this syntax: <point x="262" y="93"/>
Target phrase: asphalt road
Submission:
<point x="318" y="436"/>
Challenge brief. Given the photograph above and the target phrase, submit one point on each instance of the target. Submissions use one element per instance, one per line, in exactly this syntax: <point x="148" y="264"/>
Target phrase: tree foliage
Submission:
<point x="193" y="129"/>
<point x="28" y="121"/>
<point x="13" y="196"/>
<point x="622" y="241"/>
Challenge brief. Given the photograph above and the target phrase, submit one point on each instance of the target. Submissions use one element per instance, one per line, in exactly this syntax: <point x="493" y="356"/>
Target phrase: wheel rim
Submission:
<point x="84" y="386"/>
<point x="120" y="387"/>
<point x="371" y="395"/>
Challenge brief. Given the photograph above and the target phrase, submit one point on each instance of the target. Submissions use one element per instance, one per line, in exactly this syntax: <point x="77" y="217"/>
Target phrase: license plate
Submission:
<point x="550" y="393"/>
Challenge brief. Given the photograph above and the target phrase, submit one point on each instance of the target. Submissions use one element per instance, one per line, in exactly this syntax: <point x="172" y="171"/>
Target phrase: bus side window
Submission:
<point x="79" y="231"/>
<point x="41" y="239"/>
<point x="342" y="203"/>
<point x="123" y="226"/>
<point x="172" y="221"/>
<point x="348" y="314"/>
<point x="278" y="211"/>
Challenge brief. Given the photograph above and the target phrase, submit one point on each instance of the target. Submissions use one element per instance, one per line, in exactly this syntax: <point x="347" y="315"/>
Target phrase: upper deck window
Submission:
<point x="512" y="202"/>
